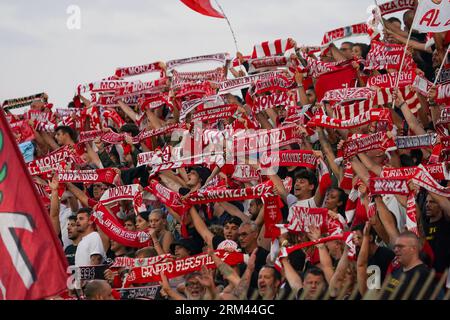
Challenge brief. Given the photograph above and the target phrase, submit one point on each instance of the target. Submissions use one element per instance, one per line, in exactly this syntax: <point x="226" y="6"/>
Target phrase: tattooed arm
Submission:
<point x="240" y="291"/>
<point x="227" y="271"/>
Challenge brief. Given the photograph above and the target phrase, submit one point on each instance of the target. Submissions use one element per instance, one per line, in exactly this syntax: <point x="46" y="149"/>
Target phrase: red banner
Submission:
<point x="176" y="268"/>
<point x="389" y="80"/>
<point x="110" y="226"/>
<point x="33" y="264"/>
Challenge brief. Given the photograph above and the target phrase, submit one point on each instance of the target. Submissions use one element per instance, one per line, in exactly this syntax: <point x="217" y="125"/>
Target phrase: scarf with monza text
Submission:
<point x="388" y="56"/>
<point x="138" y="70"/>
<point x="264" y="102"/>
<point x="399" y="185"/>
<point x="222" y="194"/>
<point x="180" y="267"/>
<point x="52" y="161"/>
<point x="110" y="226"/>
<point x="119" y="193"/>
<point x="301" y="218"/>
<point x="264" y="140"/>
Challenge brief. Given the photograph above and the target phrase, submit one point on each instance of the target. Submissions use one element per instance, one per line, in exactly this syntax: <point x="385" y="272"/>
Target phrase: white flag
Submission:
<point x="432" y="16"/>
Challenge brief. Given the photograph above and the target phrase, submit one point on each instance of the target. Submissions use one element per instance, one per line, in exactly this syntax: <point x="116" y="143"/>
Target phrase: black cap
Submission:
<point x="185" y="243"/>
<point x="202" y="172"/>
<point x="233" y="220"/>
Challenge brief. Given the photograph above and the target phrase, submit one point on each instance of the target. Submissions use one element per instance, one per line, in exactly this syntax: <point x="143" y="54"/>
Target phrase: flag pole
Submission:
<point x="229" y="25"/>
<point x="382" y="22"/>
<point x="442" y="65"/>
<point x="403" y="58"/>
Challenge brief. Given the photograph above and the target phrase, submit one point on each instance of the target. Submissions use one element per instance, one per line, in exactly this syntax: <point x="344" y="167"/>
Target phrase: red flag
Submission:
<point x="204" y="7"/>
<point x="338" y="79"/>
<point x="32" y="265"/>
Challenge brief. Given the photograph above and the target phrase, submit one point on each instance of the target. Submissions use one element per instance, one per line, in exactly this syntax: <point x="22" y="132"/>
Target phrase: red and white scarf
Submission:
<point x="109" y="225"/>
<point x="176" y="268"/>
<point x="443" y="94"/>
<point x="122" y="72"/>
<point x="219" y="57"/>
<point x="277" y="83"/>
<point x="267" y="63"/>
<point x="22" y="131"/>
<point x="213" y="114"/>
<point x="144" y="87"/>
<point x="231" y="85"/>
<point x="168" y="197"/>
<point x="189" y="106"/>
<point x="364" y="143"/>
<point x="265" y="140"/>
<point x="222" y="194"/>
<point x="264" y="102"/>
<point x="21" y="102"/>
<point x="388" y="56"/>
<point x="195" y="90"/>
<point x="245" y="173"/>
<point x="108" y="175"/>
<point x="273" y="48"/>
<point x="113" y="116"/>
<point x="130" y="263"/>
<point x="179" y="78"/>
<point x="155" y="101"/>
<point x="346" y="95"/>
<point x="272" y="216"/>
<point x="438" y="171"/>
<point x="384" y="186"/>
<point x="316" y="68"/>
<point x="396" y="5"/>
<point x="104" y="86"/>
<point x="288" y="158"/>
<point x="345" y="32"/>
<point x="53" y="161"/>
<point x="389" y="80"/>
<point x="111" y="100"/>
<point x="301" y="218"/>
<point x="373" y="115"/>
<point x="416" y="142"/>
<point x="119" y="193"/>
<point x="285" y="251"/>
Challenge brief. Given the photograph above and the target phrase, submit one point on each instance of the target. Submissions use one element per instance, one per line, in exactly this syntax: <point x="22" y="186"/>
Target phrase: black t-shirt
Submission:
<point x="382" y="258"/>
<point x="394" y="282"/>
<point x="438" y="236"/>
<point x="70" y="254"/>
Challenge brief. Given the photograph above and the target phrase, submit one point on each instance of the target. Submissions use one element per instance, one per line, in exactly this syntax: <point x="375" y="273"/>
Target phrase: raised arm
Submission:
<point x="363" y="258"/>
<point x="292" y="277"/>
<point x="387" y="219"/>
<point x="201" y="227"/>
<point x="55" y="204"/>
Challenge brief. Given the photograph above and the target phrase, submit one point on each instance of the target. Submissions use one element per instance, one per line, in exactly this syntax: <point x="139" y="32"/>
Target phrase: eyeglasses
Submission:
<point x="244" y="234"/>
<point x="193" y="284"/>
<point x="401" y="246"/>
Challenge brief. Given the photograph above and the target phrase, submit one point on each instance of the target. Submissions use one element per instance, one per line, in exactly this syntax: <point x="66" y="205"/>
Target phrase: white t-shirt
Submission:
<point x="309" y="203"/>
<point x="89" y="245"/>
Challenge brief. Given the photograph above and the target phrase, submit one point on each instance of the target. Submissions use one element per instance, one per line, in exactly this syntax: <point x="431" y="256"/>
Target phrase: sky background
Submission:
<point x="40" y="54"/>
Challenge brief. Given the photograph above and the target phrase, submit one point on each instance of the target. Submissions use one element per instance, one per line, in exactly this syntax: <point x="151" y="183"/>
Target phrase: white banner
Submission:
<point x="432" y="16"/>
